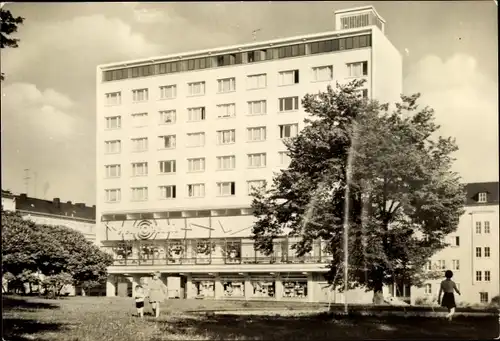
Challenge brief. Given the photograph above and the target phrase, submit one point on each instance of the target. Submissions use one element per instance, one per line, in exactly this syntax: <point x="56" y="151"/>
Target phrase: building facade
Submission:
<point x="473" y="253"/>
<point x="182" y="139"/>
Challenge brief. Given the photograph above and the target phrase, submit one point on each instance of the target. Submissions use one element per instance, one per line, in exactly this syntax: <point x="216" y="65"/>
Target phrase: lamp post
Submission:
<point x="350" y="159"/>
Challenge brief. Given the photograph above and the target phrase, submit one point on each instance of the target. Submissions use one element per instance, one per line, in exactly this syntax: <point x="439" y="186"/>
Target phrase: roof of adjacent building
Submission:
<point x="55" y="207"/>
<point x="473" y="189"/>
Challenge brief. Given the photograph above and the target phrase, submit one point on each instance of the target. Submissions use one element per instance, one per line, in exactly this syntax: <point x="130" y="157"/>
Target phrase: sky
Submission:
<point x="450" y="52"/>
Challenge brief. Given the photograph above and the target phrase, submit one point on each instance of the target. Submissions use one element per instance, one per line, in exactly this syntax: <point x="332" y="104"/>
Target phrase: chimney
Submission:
<point x="69" y="203"/>
<point x="56" y="202"/>
<point x="23" y="196"/>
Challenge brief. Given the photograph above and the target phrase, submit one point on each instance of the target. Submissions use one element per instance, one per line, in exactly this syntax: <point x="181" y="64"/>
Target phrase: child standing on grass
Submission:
<point x="448" y="300"/>
<point x="139" y="296"/>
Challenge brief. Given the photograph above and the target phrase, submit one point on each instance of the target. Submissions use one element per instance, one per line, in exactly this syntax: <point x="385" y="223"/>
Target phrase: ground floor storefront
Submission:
<point x="296" y="286"/>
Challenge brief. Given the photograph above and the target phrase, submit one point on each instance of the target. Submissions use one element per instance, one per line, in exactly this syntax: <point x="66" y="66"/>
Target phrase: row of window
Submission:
<point x="224" y="189"/>
<point x="197" y="114"/>
<point x="483" y="296"/>
<point x="441" y="265"/>
<point x="261" y="54"/>
<point x="225" y="85"/>
<point x="480" y="254"/>
<point x="198" y="139"/>
<point x="227" y="162"/>
<point x="482" y="228"/>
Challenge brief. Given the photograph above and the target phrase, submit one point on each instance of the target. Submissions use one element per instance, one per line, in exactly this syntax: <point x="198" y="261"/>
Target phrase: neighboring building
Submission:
<point x="182" y="139"/>
<point x="76" y="216"/>
<point x="8" y="201"/>
<point x="473" y="254"/>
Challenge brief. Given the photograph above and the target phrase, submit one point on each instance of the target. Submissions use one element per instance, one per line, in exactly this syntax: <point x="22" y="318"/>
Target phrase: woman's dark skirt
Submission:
<point x="448" y="300"/>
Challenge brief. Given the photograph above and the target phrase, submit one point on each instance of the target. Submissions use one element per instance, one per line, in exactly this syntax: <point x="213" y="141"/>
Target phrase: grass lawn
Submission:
<point x="110" y="319"/>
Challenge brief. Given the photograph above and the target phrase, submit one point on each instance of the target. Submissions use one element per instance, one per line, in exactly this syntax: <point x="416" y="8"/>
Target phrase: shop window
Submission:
<point x="204" y="250"/>
<point x="234" y="288"/>
<point x="295" y="289"/>
<point x="263" y="289"/>
<point x="204" y="288"/>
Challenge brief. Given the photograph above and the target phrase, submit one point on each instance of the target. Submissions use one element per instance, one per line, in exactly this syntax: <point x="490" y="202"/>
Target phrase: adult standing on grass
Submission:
<point x="156" y="293"/>
<point x="448" y="287"/>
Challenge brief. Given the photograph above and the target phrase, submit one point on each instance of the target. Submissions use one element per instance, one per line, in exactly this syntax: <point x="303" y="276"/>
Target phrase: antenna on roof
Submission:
<point x="254" y="34"/>
<point x="27" y="179"/>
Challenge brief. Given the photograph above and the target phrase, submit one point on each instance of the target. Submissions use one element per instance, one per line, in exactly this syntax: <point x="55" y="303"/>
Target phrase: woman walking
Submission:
<point x="448" y="300"/>
<point x="156" y="293"/>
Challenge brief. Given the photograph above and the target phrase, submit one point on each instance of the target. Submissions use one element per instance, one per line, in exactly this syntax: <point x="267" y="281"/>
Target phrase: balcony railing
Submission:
<point x="222" y="261"/>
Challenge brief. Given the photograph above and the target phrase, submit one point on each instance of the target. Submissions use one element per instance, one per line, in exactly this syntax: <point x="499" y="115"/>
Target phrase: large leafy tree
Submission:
<point x="389" y="167"/>
<point x="8" y="26"/>
<point x="51" y="250"/>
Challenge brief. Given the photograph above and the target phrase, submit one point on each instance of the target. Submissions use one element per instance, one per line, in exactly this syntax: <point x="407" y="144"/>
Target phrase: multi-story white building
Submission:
<point x="182" y="139"/>
<point x="473" y="254"/>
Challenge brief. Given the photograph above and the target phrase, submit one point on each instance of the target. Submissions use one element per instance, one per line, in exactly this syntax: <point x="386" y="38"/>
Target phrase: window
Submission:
<point x="487" y="252"/>
<point x="226" y="188"/>
<point x="288" y="77"/>
<point x="113" y="147"/>
<point x="140" y="144"/>
<point x="288" y="130"/>
<point x="114" y="122"/>
<point x="428" y="265"/>
<point x="289" y="104"/>
<point x="456" y="264"/>
<point x="255" y="185"/>
<point x="478" y="227"/>
<point x="441" y="264"/>
<point x="139" y="169"/>
<point x="226" y="85"/>
<point x="195" y="139"/>
<point x="168" y="91"/>
<point x="478" y="252"/>
<point x="257" y="160"/>
<point x="479" y="276"/>
<point x="113" y="195"/>
<point x="322" y="73"/>
<point x="140" y="120"/>
<point x="486" y="227"/>
<point x="196" y="114"/>
<point x="167" y="192"/>
<point x="167" y="166"/>
<point x="483" y="297"/>
<point x="113" y="171"/>
<point x="196" y="89"/>
<point x="363" y="93"/>
<point x="256" y="81"/>
<point x="114" y="98"/>
<point x="284" y="159"/>
<point x="196" y="165"/>
<point x="487" y="276"/>
<point x="140" y="95"/>
<point x="357" y="69"/>
<point x="139" y="193"/>
<point x="196" y="190"/>
<point x="167" y="117"/>
<point x="256" y="134"/>
<point x="257" y="107"/>
<point x="482" y="197"/>
<point x="167" y="141"/>
<point x="226" y="110"/>
<point x="226" y="136"/>
<point x="428" y="289"/>
<point x="226" y="162"/>
<point x="457" y="241"/>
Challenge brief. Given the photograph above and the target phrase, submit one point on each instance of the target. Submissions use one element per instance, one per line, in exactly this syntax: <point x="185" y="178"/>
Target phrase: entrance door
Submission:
<point x="123" y="289"/>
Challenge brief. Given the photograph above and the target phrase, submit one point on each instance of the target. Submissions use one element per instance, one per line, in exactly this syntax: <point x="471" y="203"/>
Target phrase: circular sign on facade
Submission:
<point x="145" y="229"/>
